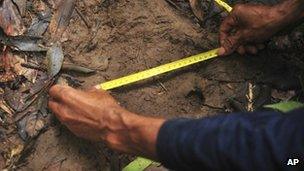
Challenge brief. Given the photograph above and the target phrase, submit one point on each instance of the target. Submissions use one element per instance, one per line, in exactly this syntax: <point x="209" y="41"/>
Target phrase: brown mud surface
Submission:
<point x="130" y="36"/>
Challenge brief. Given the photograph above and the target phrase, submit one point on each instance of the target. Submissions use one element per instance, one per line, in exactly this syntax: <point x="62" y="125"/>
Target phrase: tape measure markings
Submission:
<point x="163" y="68"/>
<point x="224" y="5"/>
<point x="157" y="70"/>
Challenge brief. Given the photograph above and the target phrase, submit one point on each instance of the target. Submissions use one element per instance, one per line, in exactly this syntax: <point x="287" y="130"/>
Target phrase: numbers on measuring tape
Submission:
<point x="163" y="68"/>
<point x="157" y="70"/>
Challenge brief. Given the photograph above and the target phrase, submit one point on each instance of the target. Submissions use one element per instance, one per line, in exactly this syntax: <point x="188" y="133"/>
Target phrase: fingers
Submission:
<point x="93" y="89"/>
<point x="241" y="50"/>
<point x="58" y="92"/>
<point x="56" y="108"/>
<point x="67" y="96"/>
<point x="251" y="49"/>
<point x="221" y="51"/>
<point x="226" y="27"/>
<point x="230" y="42"/>
<point x="62" y="112"/>
<point x="75" y="99"/>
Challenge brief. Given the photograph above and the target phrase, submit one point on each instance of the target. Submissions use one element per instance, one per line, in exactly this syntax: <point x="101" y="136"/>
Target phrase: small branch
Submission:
<point x="213" y="107"/>
<point x="82" y="18"/>
<point x="249" y="97"/>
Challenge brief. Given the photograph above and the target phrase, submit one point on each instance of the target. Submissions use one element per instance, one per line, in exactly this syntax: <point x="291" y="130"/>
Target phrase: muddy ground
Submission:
<point x="129" y="36"/>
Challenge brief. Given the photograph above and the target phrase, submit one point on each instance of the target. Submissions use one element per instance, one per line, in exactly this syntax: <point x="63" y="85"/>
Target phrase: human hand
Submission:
<point x="86" y="113"/>
<point x="96" y="116"/>
<point x="247" y="27"/>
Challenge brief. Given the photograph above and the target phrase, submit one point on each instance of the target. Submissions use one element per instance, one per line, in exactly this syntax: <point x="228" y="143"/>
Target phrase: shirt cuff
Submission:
<point x="166" y="145"/>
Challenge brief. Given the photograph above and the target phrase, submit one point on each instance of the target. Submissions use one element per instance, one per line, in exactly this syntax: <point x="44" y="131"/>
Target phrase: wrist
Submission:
<point x="143" y="132"/>
<point x="132" y="133"/>
<point x="289" y="11"/>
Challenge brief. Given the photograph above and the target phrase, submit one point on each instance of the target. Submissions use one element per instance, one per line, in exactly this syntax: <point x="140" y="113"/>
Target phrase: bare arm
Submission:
<point x="224" y="142"/>
<point x="292" y="8"/>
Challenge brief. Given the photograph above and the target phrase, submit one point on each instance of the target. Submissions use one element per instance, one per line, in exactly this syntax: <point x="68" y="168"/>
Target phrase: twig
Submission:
<point x="32" y="98"/>
<point x="83" y="18"/>
<point x="32" y="66"/>
<point x="163" y="86"/>
<point x="160" y="83"/>
<point x="174" y="5"/>
<point x="212" y="107"/>
<point x="249" y="97"/>
<point x="225" y="81"/>
<point x="53" y="163"/>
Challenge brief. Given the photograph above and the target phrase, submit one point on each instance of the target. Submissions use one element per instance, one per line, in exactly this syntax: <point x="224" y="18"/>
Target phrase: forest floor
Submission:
<point x="129" y="36"/>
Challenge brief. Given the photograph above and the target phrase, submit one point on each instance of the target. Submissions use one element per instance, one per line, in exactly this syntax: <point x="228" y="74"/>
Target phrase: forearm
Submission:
<point x="133" y="134"/>
<point x="290" y="11"/>
<point x="283" y="16"/>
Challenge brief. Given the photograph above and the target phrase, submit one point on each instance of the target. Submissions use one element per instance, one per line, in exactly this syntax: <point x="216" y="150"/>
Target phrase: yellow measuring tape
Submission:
<point x="163" y="68"/>
<point x="224" y="5"/>
<point x="158" y="70"/>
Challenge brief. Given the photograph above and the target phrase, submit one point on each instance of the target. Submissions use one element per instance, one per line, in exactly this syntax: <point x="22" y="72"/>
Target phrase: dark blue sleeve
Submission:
<point x="254" y="141"/>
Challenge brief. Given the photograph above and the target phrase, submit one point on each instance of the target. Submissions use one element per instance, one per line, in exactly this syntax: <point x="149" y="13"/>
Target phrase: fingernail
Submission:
<point x="221" y="51"/>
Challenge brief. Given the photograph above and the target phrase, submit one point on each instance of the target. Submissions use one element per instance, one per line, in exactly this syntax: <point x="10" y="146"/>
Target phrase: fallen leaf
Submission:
<point x="139" y="164"/>
<point x="24" y="43"/>
<point x="6" y="108"/>
<point x="2" y="162"/>
<point x="29" y="74"/>
<point x="285" y="106"/>
<point x="77" y="68"/>
<point x="61" y="18"/>
<point x="16" y="151"/>
<point x="196" y="9"/>
<point x="54" y="58"/>
<point x="40" y="24"/>
<point x="21" y="5"/>
<point x="10" y="19"/>
<point x="30" y="126"/>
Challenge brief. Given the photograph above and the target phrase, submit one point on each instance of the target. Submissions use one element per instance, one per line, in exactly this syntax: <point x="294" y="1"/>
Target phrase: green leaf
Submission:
<point x="139" y="164"/>
<point x="285" y="106"/>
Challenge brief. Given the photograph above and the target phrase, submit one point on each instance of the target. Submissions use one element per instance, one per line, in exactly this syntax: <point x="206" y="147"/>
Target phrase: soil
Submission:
<point x="129" y="36"/>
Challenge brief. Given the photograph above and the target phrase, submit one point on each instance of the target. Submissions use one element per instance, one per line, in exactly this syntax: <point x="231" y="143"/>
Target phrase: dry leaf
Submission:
<point x="10" y="19"/>
<point x="34" y="126"/>
<point x="61" y="18"/>
<point x="196" y="9"/>
<point x="5" y="107"/>
<point x="29" y="74"/>
<point x="16" y="151"/>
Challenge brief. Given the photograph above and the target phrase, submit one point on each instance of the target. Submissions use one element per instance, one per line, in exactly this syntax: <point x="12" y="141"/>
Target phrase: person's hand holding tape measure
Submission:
<point x="95" y="115"/>
<point x="249" y="25"/>
<point x="86" y="113"/>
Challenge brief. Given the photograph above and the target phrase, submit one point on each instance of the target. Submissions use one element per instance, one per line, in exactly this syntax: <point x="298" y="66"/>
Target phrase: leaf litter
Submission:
<point x="30" y="42"/>
<point x="31" y="61"/>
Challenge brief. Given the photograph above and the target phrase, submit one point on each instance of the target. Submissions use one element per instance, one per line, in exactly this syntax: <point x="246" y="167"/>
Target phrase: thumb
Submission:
<point x="230" y="44"/>
<point x="93" y="89"/>
<point x="221" y="51"/>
